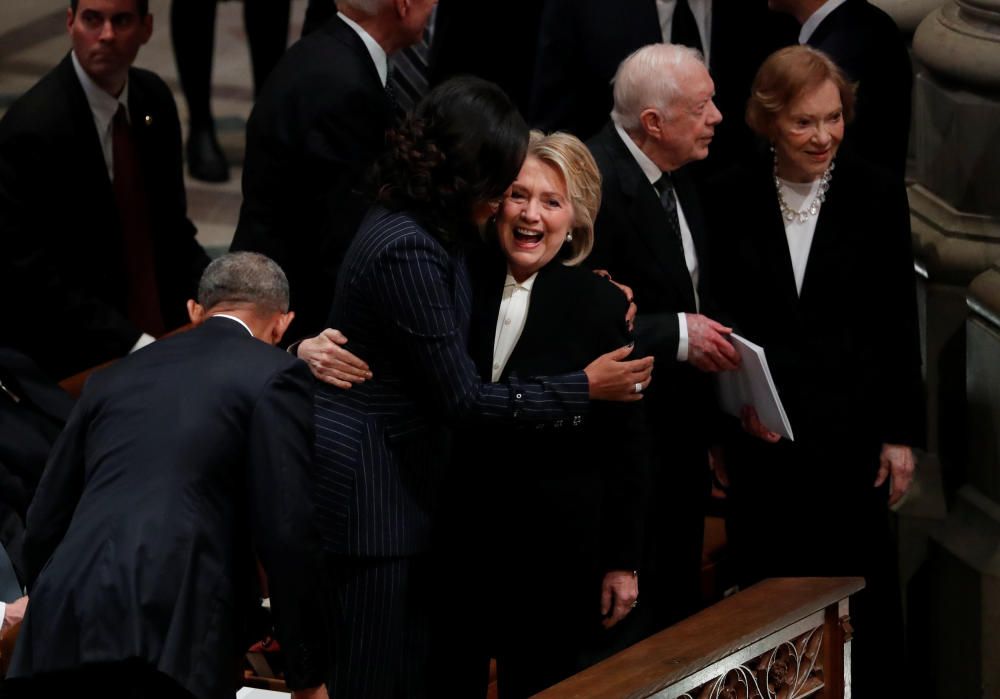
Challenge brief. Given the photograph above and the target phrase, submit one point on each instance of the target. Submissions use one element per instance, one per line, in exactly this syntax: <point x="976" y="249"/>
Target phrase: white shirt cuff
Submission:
<point x="143" y="340"/>
<point x="682" y="337"/>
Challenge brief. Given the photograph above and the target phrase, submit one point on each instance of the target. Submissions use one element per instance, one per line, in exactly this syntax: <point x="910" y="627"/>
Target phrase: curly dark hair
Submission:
<point x="463" y="145"/>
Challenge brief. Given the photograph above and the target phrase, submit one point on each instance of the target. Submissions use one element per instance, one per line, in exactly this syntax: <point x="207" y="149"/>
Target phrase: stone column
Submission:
<point x="908" y="13"/>
<point x="954" y="601"/>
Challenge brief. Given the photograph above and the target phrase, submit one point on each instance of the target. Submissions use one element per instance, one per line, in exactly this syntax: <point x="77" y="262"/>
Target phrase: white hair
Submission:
<point x="650" y="77"/>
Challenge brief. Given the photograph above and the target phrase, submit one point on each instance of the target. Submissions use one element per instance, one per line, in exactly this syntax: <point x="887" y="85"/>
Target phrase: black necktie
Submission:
<point x="683" y="28"/>
<point x="665" y="186"/>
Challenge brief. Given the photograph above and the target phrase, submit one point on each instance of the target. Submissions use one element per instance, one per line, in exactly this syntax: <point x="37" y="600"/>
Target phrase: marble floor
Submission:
<point x="33" y="39"/>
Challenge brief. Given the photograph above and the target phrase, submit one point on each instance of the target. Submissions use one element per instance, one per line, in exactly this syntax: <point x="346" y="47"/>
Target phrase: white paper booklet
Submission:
<point x="752" y="384"/>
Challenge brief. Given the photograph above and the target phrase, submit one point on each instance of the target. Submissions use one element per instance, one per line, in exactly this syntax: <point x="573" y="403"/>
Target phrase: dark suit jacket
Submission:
<point x="139" y="537"/>
<point x="463" y="44"/>
<point x="631" y="241"/>
<point x="845" y="354"/>
<point x="572" y="489"/>
<point x="33" y="411"/>
<point x="581" y="43"/>
<point x="64" y="276"/>
<point x="319" y="121"/>
<point x="404" y="302"/>
<point x="866" y="43"/>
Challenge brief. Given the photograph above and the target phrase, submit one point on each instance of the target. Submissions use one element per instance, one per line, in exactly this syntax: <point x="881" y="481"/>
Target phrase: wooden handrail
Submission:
<point x="735" y="628"/>
<point x="73" y="385"/>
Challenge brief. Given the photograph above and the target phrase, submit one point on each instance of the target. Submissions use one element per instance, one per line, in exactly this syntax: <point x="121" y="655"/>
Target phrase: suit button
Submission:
<point x="506" y="321"/>
<point x="518" y="396"/>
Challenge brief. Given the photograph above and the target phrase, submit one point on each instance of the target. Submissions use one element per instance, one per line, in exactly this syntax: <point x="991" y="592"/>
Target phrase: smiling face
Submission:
<point x="534" y="218"/>
<point x="808" y="132"/>
<point x="106" y="37"/>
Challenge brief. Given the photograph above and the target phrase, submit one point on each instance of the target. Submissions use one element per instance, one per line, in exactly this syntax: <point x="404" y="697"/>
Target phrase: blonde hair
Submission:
<point x="571" y="158"/>
<point x="787" y="74"/>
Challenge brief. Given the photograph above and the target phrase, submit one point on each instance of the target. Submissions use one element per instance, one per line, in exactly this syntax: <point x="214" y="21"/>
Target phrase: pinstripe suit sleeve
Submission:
<point x="413" y="280"/>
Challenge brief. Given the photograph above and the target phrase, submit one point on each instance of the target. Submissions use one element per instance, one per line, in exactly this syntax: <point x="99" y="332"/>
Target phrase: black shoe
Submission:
<point x="205" y="159"/>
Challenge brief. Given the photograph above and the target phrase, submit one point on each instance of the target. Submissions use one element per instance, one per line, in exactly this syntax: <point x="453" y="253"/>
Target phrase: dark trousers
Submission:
<point x="129" y="679"/>
<point x="670" y="578"/>
<point x="378" y="622"/>
<point x="801" y="510"/>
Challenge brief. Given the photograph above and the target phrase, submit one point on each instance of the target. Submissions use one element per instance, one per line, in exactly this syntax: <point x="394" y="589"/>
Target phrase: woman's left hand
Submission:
<point x="897" y="461"/>
<point x="330" y="362"/>
<point x="619" y="595"/>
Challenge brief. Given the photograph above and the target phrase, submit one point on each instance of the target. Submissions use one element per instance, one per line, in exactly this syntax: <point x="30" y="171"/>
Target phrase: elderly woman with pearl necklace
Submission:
<point x="814" y="264"/>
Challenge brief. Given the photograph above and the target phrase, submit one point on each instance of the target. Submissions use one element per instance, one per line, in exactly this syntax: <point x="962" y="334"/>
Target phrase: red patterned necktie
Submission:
<point x="137" y="240"/>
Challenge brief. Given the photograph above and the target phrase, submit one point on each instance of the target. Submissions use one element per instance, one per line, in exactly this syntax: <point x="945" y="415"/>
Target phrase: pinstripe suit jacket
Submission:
<point x="404" y="302"/>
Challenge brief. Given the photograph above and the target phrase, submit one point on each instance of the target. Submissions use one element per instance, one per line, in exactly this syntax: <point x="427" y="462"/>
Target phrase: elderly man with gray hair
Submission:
<point x="180" y="464"/>
<point x="650" y="235"/>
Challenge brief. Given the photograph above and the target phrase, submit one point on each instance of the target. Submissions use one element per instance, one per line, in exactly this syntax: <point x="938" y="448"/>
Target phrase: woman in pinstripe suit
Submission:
<point x="403" y="299"/>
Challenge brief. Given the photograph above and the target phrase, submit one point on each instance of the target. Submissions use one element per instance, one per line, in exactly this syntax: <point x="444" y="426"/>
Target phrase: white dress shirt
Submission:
<point x="798" y="196"/>
<point x="816" y="18"/>
<point x="653" y="173"/>
<point x="374" y="49"/>
<point x="104" y="107"/>
<point x="226" y="315"/>
<point x="510" y="320"/>
<point x="702" y="11"/>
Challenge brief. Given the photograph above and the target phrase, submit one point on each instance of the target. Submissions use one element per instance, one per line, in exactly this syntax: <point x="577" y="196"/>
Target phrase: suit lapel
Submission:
<point x="649" y="218"/>
<point x="82" y="125"/>
<point x="342" y="33"/>
<point x="773" y="246"/>
<point x="484" y="324"/>
<point x="826" y="252"/>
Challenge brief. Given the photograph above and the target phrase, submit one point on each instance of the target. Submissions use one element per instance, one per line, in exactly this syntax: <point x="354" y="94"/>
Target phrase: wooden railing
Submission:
<point x="786" y="637"/>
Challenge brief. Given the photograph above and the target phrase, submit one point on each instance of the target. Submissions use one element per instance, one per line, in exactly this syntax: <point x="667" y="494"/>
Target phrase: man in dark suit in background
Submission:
<point x="868" y="46"/>
<point x="581" y="43"/>
<point x="650" y="235"/>
<point x="466" y="44"/>
<point x="138" y="547"/>
<point x="98" y="254"/>
<point x="318" y="123"/>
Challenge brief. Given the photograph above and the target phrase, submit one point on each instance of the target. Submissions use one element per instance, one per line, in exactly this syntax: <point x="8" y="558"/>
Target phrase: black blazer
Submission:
<point x="463" y="44"/>
<point x="845" y="355"/>
<point x="581" y="43"/>
<point x="138" y="541"/>
<point x="319" y="121"/>
<point x="866" y="43"/>
<point x="64" y="273"/>
<point x="573" y="489"/>
<point x="631" y="242"/>
<point x="33" y="410"/>
<point x="403" y="300"/>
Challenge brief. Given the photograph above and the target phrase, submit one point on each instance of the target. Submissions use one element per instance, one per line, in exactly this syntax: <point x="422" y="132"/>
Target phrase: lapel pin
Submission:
<point x="147" y="120"/>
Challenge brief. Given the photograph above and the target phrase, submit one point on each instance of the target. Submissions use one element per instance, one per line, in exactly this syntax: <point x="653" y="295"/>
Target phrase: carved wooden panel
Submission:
<point x="790" y="671"/>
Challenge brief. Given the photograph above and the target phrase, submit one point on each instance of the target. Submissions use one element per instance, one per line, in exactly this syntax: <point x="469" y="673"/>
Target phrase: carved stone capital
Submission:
<point x="908" y="13"/>
<point x="953" y="247"/>
<point x="960" y="43"/>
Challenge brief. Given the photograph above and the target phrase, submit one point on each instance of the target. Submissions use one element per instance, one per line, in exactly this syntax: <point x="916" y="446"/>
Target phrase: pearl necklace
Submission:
<point x="790" y="214"/>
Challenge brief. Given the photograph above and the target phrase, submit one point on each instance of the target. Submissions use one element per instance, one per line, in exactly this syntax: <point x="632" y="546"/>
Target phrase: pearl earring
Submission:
<point x="569" y="237"/>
